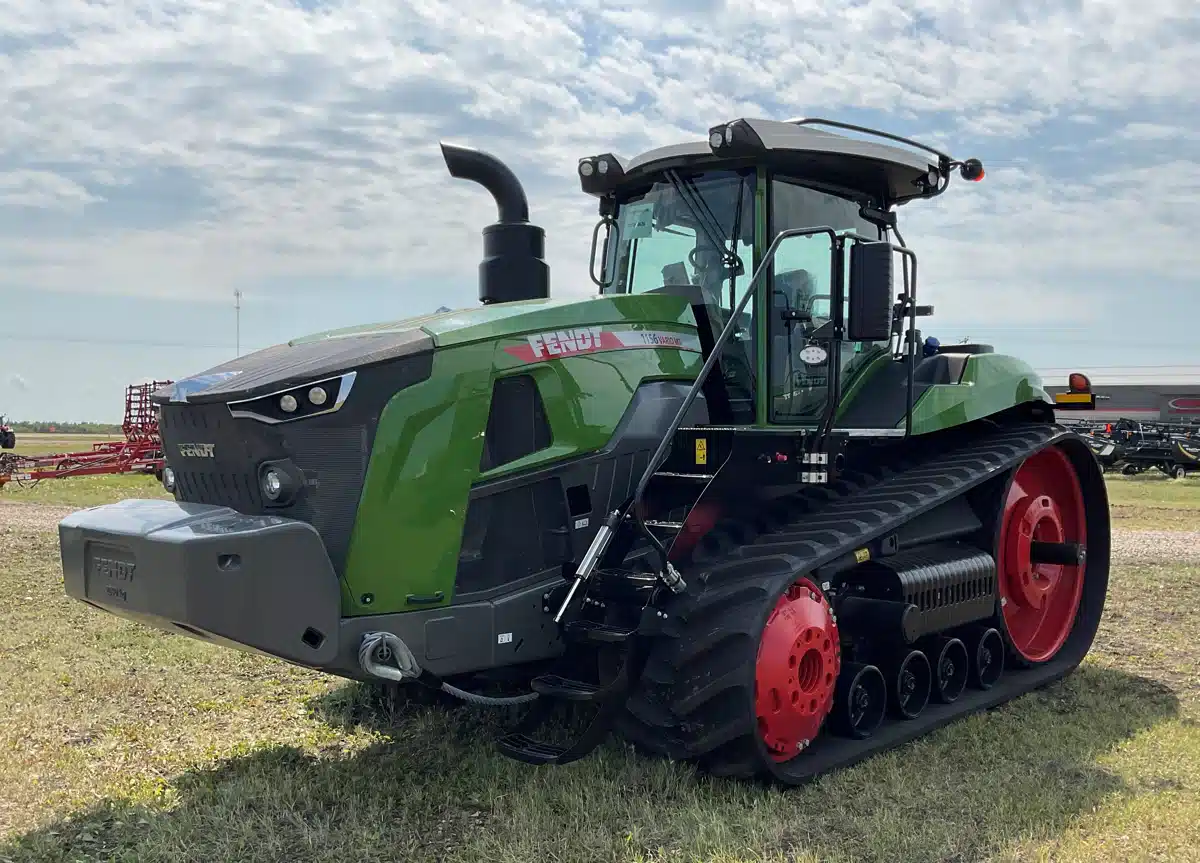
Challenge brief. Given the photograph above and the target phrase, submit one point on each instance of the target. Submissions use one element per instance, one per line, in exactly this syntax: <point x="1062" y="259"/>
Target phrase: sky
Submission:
<point x="157" y="156"/>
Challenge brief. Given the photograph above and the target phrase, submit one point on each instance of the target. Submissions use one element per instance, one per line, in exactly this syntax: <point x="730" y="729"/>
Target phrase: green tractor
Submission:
<point x="734" y="502"/>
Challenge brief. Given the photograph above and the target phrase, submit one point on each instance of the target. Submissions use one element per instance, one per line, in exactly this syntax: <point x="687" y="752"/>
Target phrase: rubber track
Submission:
<point x="695" y="700"/>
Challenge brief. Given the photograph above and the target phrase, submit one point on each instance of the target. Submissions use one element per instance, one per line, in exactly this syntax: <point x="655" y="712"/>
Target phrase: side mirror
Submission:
<point x="870" y="292"/>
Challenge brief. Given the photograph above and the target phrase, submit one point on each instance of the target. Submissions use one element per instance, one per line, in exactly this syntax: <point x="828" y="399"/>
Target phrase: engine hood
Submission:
<point x="333" y="352"/>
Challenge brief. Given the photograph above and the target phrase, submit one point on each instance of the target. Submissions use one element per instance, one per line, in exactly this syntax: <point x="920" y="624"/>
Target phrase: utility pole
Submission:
<point x="237" y="305"/>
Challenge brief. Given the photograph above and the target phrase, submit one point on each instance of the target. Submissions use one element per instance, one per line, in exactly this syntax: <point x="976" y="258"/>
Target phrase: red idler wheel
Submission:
<point x="1039" y="600"/>
<point x="796" y="673"/>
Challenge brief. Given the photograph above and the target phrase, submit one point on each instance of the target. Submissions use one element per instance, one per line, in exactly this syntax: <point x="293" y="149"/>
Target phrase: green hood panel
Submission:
<point x="488" y="323"/>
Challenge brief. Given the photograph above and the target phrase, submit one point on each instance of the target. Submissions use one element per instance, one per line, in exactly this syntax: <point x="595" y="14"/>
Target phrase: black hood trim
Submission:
<point x="283" y="366"/>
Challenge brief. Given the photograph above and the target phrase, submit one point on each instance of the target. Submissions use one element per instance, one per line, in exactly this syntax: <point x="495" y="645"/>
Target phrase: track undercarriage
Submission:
<point x="925" y="581"/>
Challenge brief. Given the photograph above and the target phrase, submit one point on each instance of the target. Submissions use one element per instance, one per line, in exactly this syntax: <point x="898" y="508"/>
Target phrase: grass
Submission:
<point x="1154" y="501"/>
<point x="39" y="443"/>
<point x="83" y="491"/>
<point x="119" y="743"/>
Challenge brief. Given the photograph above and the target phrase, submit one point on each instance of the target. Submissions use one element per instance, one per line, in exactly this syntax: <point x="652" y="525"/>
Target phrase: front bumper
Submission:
<point x="265" y="583"/>
<point x="249" y="581"/>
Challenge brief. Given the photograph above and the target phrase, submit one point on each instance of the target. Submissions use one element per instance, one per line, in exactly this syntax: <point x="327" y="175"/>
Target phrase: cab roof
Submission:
<point x="889" y="173"/>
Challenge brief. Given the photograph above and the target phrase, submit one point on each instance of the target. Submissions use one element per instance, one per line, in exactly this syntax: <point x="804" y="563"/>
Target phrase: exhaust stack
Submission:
<point x="513" y="267"/>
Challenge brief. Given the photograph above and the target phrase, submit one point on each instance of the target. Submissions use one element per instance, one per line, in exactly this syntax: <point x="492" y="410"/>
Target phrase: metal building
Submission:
<point x="1157" y="395"/>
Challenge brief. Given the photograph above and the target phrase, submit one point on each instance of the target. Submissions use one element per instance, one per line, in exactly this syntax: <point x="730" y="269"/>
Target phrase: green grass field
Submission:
<point x="31" y="443"/>
<point x="121" y="743"/>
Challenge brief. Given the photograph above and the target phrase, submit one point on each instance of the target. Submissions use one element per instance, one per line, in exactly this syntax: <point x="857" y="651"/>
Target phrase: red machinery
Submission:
<point x="140" y="452"/>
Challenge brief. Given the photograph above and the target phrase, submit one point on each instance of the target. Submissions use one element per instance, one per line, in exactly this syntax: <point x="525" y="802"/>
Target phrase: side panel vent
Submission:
<point x="511" y="535"/>
<point x="517" y="424"/>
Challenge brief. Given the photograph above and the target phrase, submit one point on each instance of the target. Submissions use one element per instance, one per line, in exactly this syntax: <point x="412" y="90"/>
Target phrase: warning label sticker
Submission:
<point x="556" y="344"/>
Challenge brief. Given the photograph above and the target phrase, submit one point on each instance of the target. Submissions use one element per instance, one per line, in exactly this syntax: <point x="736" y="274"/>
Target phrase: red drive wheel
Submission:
<point x="797" y="669"/>
<point x="1043" y="516"/>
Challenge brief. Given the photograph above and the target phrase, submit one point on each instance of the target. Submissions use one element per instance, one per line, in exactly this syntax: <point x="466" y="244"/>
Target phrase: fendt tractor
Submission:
<point x="733" y="502"/>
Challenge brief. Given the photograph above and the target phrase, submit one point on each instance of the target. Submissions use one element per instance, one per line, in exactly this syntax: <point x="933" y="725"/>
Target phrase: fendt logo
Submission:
<point x="196" y="450"/>
<point x="558" y="344"/>
<point x="566" y="342"/>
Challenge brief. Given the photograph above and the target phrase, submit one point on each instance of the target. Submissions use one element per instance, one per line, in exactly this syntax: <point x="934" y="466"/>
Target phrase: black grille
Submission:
<point x="332" y="451"/>
<point x="333" y="461"/>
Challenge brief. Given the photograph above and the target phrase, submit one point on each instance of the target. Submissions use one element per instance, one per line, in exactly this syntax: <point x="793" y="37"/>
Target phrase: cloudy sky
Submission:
<point x="156" y="156"/>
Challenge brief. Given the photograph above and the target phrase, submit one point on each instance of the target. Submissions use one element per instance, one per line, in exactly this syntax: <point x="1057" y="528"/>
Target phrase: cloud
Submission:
<point x="1153" y="132"/>
<point x="17" y="382"/>
<point x="181" y="149"/>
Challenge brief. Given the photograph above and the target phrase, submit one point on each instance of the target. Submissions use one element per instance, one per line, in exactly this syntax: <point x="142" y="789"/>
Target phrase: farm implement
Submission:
<point x="1134" y="447"/>
<point x="139" y="452"/>
<point x="734" y="505"/>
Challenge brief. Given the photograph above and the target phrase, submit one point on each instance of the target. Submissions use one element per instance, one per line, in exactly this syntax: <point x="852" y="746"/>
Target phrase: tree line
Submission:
<point x="65" y="428"/>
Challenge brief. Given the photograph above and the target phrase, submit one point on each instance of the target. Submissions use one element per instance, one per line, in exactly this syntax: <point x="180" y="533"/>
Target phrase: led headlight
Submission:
<point x="298" y="402"/>
<point x="738" y="138"/>
<point x="599" y="175"/>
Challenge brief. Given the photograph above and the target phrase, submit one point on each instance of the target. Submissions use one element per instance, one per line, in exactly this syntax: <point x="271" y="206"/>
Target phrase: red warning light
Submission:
<point x="1078" y="383"/>
<point x="971" y="169"/>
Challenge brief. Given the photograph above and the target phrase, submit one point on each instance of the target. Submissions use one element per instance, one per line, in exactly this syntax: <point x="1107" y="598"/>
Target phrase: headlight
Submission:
<point x="298" y="402"/>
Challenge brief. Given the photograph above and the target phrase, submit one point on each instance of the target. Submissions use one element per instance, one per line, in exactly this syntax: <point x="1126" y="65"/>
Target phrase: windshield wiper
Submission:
<point x="706" y="220"/>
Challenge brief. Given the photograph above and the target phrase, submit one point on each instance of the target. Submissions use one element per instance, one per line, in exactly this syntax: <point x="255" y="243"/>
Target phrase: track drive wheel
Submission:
<point x="746" y="675"/>
<point x="1039" y="601"/>
<point x="796" y="671"/>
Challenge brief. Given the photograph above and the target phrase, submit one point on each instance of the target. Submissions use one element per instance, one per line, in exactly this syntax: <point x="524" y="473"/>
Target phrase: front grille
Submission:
<point x="331" y="450"/>
<point x="332" y="458"/>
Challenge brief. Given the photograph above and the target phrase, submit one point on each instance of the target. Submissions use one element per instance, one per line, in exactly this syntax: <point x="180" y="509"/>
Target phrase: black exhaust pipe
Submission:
<point x="513" y="266"/>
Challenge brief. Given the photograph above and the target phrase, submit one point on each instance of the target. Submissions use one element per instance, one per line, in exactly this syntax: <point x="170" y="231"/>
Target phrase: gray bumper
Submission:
<point x="258" y="582"/>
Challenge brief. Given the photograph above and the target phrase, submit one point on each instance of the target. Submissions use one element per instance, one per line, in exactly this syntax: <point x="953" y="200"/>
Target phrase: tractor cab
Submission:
<point x="698" y="219"/>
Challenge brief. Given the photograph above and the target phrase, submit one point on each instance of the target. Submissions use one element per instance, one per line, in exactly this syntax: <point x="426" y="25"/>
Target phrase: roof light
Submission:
<point x="737" y="138"/>
<point x="600" y="174"/>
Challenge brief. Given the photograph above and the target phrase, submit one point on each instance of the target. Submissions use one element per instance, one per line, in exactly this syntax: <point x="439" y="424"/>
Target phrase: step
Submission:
<point x="554" y="686"/>
<point x="599" y="633"/>
<point x="524" y="748"/>
<point x="697" y="477"/>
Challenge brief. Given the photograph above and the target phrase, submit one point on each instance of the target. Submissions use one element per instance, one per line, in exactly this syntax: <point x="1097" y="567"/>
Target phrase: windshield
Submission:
<point x="686" y="230"/>
<point x="695" y="229"/>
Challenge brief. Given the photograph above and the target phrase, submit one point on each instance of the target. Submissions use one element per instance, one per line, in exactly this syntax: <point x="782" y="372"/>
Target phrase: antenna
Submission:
<point x="237" y="306"/>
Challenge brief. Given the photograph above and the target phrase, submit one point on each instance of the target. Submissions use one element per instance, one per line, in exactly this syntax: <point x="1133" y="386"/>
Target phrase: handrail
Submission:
<point x="604" y="535"/>
<point x="656" y="459"/>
